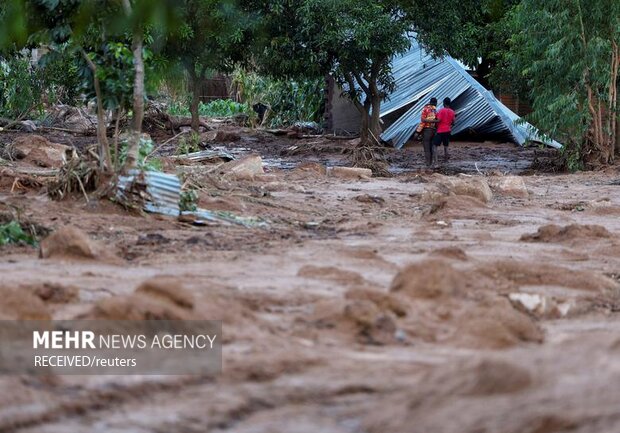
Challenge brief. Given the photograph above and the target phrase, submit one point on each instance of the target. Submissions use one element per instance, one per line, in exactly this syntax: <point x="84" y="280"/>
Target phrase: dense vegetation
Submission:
<point x="562" y="56"/>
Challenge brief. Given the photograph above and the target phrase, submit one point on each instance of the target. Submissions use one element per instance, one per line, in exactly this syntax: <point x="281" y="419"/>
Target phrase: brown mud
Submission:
<point x="417" y="303"/>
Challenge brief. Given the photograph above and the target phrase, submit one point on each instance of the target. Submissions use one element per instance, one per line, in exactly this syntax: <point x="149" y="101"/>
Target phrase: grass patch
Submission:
<point x="13" y="233"/>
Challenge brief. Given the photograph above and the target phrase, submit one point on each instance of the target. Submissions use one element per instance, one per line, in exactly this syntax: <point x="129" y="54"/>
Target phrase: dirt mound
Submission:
<point x="462" y="307"/>
<point x="495" y="324"/>
<point x="543" y="274"/>
<point x="331" y="273"/>
<point x="21" y="304"/>
<point x="363" y="253"/>
<point x="167" y="289"/>
<point x="555" y="233"/>
<point x="56" y="293"/>
<point x="70" y="242"/>
<point x="454" y="253"/>
<point x="360" y="319"/>
<point x="451" y="205"/>
<point x="477" y="380"/>
<point x="160" y="298"/>
<point x="429" y="279"/>
<point x="38" y="151"/>
<point x="385" y="301"/>
<point x="493" y="377"/>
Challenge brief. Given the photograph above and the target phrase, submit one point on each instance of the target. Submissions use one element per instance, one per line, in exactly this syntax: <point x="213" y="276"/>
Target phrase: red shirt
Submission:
<point x="446" y="119"/>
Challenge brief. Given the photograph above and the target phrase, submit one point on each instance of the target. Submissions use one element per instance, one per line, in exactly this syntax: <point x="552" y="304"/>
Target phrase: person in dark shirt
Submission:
<point x="445" y="119"/>
<point x="428" y="124"/>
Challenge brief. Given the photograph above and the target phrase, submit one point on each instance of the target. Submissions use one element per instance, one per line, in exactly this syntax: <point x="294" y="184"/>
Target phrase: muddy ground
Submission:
<point x="417" y="303"/>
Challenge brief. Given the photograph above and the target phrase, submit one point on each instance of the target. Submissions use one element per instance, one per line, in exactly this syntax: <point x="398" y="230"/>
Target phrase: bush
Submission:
<point x="20" y="87"/>
<point x="217" y="108"/>
<point x="290" y="101"/>
<point x="12" y="233"/>
<point x="145" y="157"/>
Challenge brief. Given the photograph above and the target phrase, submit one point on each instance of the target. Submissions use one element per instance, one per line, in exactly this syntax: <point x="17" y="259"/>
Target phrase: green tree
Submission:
<point x="83" y="23"/>
<point x="211" y="38"/>
<point x="566" y="53"/>
<point x="353" y="40"/>
<point x="469" y="30"/>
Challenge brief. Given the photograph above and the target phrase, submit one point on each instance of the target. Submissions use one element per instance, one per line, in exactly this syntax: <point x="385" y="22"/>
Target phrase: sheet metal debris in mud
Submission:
<point x="161" y="194"/>
<point x="205" y="155"/>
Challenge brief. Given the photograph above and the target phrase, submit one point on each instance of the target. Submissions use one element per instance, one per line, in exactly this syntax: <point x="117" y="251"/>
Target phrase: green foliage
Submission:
<point x="189" y="201"/>
<point x="12" y="233"/>
<point x="467" y="29"/>
<point x="217" y="108"/>
<point x="26" y="88"/>
<point x="355" y="40"/>
<point x="59" y="70"/>
<point x="145" y="155"/>
<point x="561" y="51"/>
<point x="222" y="108"/>
<point x="189" y="145"/>
<point x="289" y="101"/>
<point x="21" y="87"/>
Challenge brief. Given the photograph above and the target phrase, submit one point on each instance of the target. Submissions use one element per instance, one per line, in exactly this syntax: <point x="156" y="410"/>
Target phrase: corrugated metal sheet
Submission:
<point x="204" y="155"/>
<point x="419" y="76"/>
<point x="160" y="192"/>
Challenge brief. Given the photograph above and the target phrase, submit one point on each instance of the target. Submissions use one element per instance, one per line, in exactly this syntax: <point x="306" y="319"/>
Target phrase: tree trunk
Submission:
<point x="104" y="146"/>
<point x="365" y="127"/>
<point x="138" y="102"/>
<point x="374" y="126"/>
<point x="195" y="83"/>
<point x="133" y="149"/>
<point x="617" y="144"/>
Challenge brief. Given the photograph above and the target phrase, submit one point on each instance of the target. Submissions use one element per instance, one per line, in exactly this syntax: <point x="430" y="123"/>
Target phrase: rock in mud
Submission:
<point x="21" y="304"/>
<point x="540" y="306"/>
<point x="450" y="205"/>
<point x="56" y="293"/>
<point x="311" y="168"/>
<point x="352" y="173"/>
<point x="512" y="186"/>
<point x="454" y="253"/>
<point x="367" y="198"/>
<point x="244" y="169"/>
<point x="555" y="233"/>
<point x="473" y="186"/>
<point x="69" y="242"/>
<point x="39" y="151"/>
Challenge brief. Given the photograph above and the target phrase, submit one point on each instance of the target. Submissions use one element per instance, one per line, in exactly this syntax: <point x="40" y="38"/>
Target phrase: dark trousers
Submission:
<point x="427" y="142"/>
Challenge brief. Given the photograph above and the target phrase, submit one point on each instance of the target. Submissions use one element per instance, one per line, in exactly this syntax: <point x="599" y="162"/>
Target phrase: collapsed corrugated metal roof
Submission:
<point x="419" y="76"/>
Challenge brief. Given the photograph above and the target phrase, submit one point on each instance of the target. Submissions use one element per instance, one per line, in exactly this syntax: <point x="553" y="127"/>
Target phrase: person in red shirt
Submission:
<point x="445" y="117"/>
